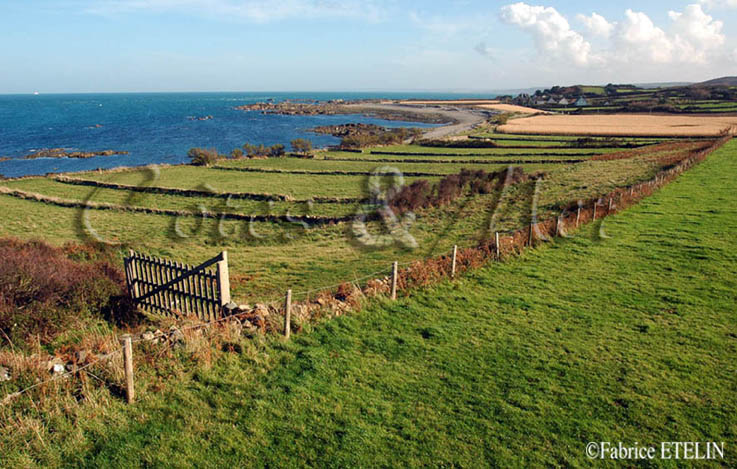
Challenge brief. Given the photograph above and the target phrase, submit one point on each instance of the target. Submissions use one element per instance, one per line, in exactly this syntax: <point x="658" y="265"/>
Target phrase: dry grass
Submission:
<point x="624" y="125"/>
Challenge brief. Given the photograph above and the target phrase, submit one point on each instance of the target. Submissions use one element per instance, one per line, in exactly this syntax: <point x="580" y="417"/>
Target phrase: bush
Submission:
<point x="277" y="150"/>
<point x="46" y="290"/>
<point x="420" y="194"/>
<point x="254" y="151"/>
<point x="202" y="156"/>
<point x="379" y="137"/>
<point x="236" y="153"/>
<point x="301" y="146"/>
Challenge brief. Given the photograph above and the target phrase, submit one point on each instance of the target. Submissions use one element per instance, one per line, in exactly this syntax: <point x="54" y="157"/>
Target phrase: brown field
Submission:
<point x="512" y="108"/>
<point x="624" y="125"/>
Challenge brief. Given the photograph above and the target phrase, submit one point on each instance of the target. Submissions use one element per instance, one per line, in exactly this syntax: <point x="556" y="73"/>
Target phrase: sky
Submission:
<point x="359" y="45"/>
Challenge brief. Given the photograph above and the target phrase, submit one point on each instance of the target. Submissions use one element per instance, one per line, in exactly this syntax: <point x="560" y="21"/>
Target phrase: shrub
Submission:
<point x="379" y="136"/>
<point x="420" y="194"/>
<point x="254" y="151"/>
<point x="46" y="290"/>
<point x="202" y="156"/>
<point x="277" y="150"/>
<point x="236" y="153"/>
<point x="301" y="146"/>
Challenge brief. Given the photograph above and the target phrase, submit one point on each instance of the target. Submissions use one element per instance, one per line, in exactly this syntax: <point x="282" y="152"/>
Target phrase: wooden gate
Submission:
<point x="167" y="287"/>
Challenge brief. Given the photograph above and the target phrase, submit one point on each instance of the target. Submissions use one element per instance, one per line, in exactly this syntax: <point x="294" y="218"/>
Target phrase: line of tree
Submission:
<point x="252" y="151"/>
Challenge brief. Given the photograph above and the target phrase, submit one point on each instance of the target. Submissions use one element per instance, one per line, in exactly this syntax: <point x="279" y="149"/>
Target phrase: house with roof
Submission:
<point x="564" y="102"/>
<point x="581" y="101"/>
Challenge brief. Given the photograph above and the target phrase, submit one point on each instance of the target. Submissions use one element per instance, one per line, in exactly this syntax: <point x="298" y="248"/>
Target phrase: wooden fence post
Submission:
<point x="453" y="262"/>
<point x="557" y="225"/>
<point x="223" y="280"/>
<point x="134" y="274"/>
<point x="496" y="244"/>
<point x="610" y="205"/>
<point x="288" y="314"/>
<point x="530" y="236"/>
<point x="127" y="343"/>
<point x="578" y="215"/>
<point x="395" y="269"/>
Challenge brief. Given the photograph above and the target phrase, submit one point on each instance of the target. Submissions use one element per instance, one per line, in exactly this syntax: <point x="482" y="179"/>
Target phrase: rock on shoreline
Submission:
<point x="63" y="153"/>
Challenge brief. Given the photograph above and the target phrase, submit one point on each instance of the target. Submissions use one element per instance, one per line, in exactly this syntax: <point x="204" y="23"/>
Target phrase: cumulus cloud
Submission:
<point x="637" y="38"/>
<point x="551" y="32"/>
<point x="596" y="24"/>
<point x="692" y="37"/>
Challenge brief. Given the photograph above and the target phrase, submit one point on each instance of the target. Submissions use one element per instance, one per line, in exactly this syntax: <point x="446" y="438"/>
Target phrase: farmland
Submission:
<point x="269" y="256"/>
<point x="623" y="338"/>
<point x="624" y="125"/>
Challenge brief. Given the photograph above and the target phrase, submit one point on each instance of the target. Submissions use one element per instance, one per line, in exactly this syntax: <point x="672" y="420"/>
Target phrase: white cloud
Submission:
<point x="637" y="38"/>
<point x="696" y="34"/>
<point x="248" y="10"/>
<point x="551" y="31"/>
<point x="710" y="4"/>
<point x="692" y="37"/>
<point x="596" y="24"/>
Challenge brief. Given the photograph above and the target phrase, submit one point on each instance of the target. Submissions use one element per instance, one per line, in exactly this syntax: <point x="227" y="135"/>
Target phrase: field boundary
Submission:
<point x="69" y="203"/>
<point x="486" y="162"/>
<point x="328" y="173"/>
<point x="418" y="273"/>
<point x="203" y="193"/>
<point x="409" y="153"/>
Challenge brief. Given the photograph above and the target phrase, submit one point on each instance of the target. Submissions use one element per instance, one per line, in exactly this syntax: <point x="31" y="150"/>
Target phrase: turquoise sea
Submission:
<point x="156" y="127"/>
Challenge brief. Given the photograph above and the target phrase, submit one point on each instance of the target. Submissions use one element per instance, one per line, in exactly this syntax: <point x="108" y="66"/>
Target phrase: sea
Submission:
<point x="159" y="128"/>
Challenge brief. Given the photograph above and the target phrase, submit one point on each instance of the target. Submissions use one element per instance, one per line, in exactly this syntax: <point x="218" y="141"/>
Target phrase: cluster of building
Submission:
<point x="527" y="100"/>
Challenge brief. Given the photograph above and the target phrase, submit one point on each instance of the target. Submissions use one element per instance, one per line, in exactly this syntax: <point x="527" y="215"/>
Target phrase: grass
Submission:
<point x="297" y="164"/>
<point x="267" y="258"/>
<point x="53" y="188"/>
<point x="191" y="177"/>
<point x="486" y="151"/>
<point x="626" y="338"/>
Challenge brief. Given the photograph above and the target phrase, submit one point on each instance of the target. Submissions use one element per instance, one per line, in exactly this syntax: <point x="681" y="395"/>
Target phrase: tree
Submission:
<point x="277" y="150"/>
<point x="301" y="146"/>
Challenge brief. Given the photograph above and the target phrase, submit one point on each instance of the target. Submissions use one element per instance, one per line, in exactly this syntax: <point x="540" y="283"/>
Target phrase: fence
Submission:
<point x="167" y="287"/>
<point x="149" y="287"/>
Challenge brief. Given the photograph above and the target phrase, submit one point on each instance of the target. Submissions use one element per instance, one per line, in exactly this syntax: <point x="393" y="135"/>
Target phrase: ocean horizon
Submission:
<point x="160" y="127"/>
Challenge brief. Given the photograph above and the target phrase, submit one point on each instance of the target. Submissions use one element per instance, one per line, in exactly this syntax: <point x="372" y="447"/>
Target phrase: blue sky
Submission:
<point x="316" y="45"/>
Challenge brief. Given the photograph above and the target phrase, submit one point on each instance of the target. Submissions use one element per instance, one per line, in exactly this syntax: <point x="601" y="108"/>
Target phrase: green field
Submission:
<point x="267" y="258"/>
<point x="629" y="337"/>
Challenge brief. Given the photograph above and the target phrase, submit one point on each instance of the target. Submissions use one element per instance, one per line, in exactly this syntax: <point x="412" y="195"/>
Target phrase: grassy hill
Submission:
<point x="629" y="337"/>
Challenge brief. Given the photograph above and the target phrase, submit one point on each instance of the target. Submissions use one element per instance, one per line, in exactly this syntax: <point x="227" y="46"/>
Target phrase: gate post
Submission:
<point x="223" y="279"/>
<point x="133" y="278"/>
